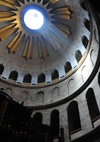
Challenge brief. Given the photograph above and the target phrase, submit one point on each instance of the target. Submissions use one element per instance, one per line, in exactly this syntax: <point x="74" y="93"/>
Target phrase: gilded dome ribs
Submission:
<point x="39" y="47"/>
<point x="14" y="44"/>
<point x="44" y="47"/>
<point x="6" y="19"/>
<point x="28" y="50"/>
<point x="62" y="11"/>
<point x="5" y="3"/>
<point x="14" y="2"/>
<point x="26" y="46"/>
<point x="52" y="28"/>
<point x="61" y="16"/>
<point x="53" y="1"/>
<point x="4" y="14"/>
<point x="6" y="31"/>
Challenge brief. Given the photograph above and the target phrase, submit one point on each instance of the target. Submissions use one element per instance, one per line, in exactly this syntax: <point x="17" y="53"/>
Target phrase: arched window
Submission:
<point x="55" y="74"/>
<point x="68" y="67"/>
<point x="41" y="78"/>
<point x="54" y="123"/>
<point x="40" y="93"/>
<point x="73" y="117"/>
<point x="1" y="69"/>
<point x="78" y="55"/>
<point x="87" y="24"/>
<point x="83" y="5"/>
<point x="38" y="117"/>
<point x="27" y="78"/>
<point x="99" y="78"/>
<point x="2" y="89"/>
<point x="40" y="98"/>
<point x="13" y="75"/>
<point x="92" y="104"/>
<point x="85" y="41"/>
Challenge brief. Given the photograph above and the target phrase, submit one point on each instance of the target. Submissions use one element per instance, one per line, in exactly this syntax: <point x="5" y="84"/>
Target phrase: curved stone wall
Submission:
<point x="72" y="89"/>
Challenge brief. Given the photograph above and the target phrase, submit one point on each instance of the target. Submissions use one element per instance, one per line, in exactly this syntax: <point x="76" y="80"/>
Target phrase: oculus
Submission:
<point x="33" y="19"/>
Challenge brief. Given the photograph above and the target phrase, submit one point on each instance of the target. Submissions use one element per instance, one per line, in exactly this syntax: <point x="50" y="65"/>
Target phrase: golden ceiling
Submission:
<point x="40" y="37"/>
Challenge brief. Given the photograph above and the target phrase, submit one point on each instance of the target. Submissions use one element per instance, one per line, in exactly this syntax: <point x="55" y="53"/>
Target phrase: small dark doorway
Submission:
<point x="73" y="117"/>
<point x="54" y="123"/>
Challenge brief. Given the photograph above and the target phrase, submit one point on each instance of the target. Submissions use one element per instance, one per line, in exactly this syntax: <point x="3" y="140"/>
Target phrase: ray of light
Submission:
<point x="51" y="41"/>
<point x="59" y="35"/>
<point x="62" y="27"/>
<point x="57" y="41"/>
<point x="62" y="36"/>
<point x="6" y="31"/>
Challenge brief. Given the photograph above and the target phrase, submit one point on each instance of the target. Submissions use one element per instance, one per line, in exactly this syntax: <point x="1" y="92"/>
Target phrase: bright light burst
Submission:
<point x="33" y="19"/>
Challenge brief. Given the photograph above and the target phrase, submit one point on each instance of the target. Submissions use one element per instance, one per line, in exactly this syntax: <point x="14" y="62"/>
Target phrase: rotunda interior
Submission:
<point x="49" y="71"/>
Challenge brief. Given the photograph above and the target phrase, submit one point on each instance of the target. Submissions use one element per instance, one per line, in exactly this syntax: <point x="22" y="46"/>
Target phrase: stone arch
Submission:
<point x="78" y="55"/>
<point x="54" y="122"/>
<point x="67" y="67"/>
<point x="99" y="78"/>
<point x="2" y="89"/>
<point x="24" y="97"/>
<point x="87" y="24"/>
<point x="38" y="117"/>
<point x="85" y="41"/>
<point x="74" y="122"/>
<point x="96" y="36"/>
<point x="40" y="97"/>
<point x="13" y="75"/>
<point x="92" y="104"/>
<point x="93" y="56"/>
<point x="9" y="91"/>
<point x="55" y="94"/>
<point x="1" y="69"/>
<point x="54" y="74"/>
<point x="27" y="78"/>
<point x="83" y="73"/>
<point x="82" y="3"/>
<point x="71" y="86"/>
<point x="41" y="78"/>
